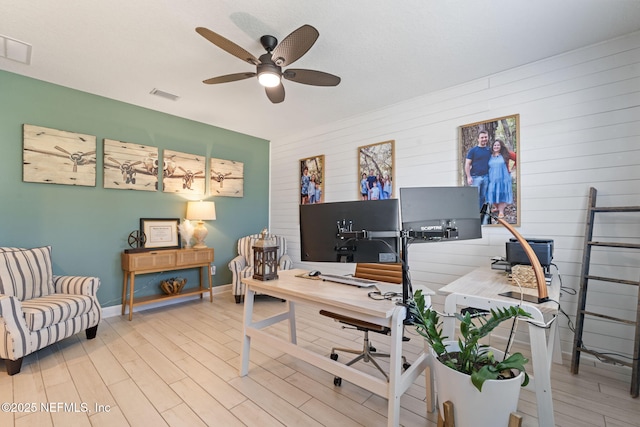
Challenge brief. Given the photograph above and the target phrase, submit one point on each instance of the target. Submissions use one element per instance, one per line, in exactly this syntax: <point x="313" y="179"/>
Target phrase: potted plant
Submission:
<point x="472" y="375"/>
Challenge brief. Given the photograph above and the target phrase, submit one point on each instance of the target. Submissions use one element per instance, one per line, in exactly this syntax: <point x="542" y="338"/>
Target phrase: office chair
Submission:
<point x="391" y="273"/>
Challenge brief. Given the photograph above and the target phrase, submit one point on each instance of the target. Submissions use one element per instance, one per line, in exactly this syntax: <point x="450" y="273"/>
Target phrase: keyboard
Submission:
<point x="348" y="280"/>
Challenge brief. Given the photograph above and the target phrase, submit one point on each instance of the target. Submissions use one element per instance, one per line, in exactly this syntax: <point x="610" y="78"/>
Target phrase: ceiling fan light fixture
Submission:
<point x="269" y="78"/>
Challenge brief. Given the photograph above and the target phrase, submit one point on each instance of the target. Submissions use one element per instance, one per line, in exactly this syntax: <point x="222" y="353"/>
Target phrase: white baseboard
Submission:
<point x="116" y="310"/>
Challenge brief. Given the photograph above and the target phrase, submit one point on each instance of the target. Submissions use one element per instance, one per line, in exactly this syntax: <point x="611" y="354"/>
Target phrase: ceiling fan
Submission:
<point x="269" y="65"/>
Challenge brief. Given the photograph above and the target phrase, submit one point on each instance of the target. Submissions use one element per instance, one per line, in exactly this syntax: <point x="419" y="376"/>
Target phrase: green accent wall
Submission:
<point x="88" y="227"/>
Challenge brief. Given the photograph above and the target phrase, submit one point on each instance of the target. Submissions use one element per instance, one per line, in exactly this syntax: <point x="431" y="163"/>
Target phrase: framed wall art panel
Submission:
<point x="129" y="166"/>
<point x="376" y="166"/>
<point x="183" y="173"/>
<point x="227" y="178"/>
<point x="52" y="156"/>
<point x="489" y="154"/>
<point x="312" y="180"/>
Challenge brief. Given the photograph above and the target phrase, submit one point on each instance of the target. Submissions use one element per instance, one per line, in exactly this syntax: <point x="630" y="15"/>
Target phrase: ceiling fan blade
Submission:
<point x="294" y="45"/>
<point x="228" y="78"/>
<point x="311" y="77"/>
<point x="275" y="94"/>
<point x="227" y="45"/>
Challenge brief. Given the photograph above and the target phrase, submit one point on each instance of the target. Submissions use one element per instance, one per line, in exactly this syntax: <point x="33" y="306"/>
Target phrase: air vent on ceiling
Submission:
<point x="15" y="50"/>
<point x="164" y="94"/>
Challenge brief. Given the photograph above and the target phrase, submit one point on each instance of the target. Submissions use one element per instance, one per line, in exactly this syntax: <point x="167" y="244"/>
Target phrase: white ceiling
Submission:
<point x="385" y="51"/>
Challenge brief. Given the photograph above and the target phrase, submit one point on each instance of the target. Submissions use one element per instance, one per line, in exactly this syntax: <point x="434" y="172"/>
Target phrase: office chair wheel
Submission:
<point x="337" y="381"/>
<point x="406" y="365"/>
<point x="372" y="349"/>
<point x="334" y="356"/>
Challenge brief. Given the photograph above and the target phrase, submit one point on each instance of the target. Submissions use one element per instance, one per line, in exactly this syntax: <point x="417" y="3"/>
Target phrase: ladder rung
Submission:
<point x="616" y="209"/>
<point x="605" y="357"/>
<point x="615" y="245"/>
<point x="609" y="279"/>
<point x="604" y="316"/>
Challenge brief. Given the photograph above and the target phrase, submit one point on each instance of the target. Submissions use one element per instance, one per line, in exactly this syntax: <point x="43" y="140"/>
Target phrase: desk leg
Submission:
<point x="132" y="280"/>
<point x="291" y="308"/>
<point x="246" y="340"/>
<point x="554" y="344"/>
<point x="542" y="375"/>
<point x="395" y="367"/>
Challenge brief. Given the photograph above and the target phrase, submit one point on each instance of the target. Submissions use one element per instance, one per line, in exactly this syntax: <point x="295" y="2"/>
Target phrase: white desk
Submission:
<point x="342" y="299"/>
<point x="480" y="289"/>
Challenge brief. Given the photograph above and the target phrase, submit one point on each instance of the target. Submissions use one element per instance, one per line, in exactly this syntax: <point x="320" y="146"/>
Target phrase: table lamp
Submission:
<point x="543" y="294"/>
<point x="200" y="212"/>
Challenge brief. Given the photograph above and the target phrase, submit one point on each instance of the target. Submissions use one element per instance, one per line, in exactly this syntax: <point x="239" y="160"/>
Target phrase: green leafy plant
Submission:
<point x="473" y="358"/>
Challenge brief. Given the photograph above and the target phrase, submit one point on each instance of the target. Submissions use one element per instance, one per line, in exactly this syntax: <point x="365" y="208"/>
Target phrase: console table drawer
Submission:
<point x="149" y="261"/>
<point x="194" y="256"/>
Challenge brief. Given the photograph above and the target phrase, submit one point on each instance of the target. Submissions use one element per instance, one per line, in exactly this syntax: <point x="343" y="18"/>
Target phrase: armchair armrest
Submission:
<point x="13" y="328"/>
<point x="76" y="285"/>
<point x="237" y="264"/>
<point x="285" y="262"/>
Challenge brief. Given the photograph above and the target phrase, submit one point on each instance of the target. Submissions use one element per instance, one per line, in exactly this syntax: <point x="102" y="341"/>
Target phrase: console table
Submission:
<point x="164" y="260"/>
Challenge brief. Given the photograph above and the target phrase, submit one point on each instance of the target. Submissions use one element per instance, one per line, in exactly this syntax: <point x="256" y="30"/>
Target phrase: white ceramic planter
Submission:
<point x="472" y="408"/>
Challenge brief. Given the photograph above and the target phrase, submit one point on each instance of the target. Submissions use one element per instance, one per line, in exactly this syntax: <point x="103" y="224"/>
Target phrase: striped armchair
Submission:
<point x="242" y="265"/>
<point x="37" y="308"/>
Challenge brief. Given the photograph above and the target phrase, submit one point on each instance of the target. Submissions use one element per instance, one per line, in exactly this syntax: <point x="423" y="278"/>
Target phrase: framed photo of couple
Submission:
<point x="489" y="156"/>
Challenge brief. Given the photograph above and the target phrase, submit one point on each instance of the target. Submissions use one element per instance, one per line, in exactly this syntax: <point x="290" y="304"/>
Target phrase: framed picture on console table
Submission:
<point x="488" y="155"/>
<point x="375" y="171"/>
<point x="161" y="233"/>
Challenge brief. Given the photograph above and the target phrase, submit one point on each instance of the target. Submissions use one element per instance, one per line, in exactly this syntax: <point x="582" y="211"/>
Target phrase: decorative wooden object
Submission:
<point x="543" y="294"/>
<point x="447" y="420"/>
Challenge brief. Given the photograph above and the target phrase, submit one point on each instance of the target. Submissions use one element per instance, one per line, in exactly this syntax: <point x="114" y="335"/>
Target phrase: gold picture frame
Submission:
<point x="376" y="168"/>
<point x="312" y="180"/>
<point x="492" y="177"/>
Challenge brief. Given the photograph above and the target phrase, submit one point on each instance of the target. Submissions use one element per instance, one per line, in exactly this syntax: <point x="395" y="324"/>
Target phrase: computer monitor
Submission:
<point x="440" y="213"/>
<point x="357" y="231"/>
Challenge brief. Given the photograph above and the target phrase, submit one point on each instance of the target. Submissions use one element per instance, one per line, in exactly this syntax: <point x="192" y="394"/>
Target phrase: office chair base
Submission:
<point x="367" y="354"/>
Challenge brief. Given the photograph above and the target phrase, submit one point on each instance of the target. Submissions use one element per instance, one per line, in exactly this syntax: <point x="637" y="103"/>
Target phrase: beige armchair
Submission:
<point x="37" y="308"/>
<point x="242" y="265"/>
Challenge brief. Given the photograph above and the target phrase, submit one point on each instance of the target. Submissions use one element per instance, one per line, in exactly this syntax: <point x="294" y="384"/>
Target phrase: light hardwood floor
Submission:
<point x="178" y="366"/>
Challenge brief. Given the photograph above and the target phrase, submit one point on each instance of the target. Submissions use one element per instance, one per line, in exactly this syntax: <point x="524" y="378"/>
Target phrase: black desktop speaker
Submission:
<point x="543" y="249"/>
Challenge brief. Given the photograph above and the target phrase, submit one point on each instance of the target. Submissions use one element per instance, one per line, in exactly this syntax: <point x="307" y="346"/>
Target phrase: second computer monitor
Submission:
<point x="425" y="209"/>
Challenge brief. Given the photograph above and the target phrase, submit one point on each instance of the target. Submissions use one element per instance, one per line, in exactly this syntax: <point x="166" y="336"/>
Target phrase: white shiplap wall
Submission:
<point x="579" y="127"/>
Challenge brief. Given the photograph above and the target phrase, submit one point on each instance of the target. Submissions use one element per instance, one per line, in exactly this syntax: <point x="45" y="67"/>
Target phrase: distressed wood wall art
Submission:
<point x="129" y="166"/>
<point x="54" y="156"/>
<point x="227" y="178"/>
<point x="183" y="173"/>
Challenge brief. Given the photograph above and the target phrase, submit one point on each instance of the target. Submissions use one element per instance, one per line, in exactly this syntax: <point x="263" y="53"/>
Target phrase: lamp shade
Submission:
<point x="201" y="211"/>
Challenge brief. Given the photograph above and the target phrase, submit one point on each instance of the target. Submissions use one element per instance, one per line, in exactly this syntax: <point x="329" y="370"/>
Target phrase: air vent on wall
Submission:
<point x="15" y="50"/>
<point x="164" y="94"/>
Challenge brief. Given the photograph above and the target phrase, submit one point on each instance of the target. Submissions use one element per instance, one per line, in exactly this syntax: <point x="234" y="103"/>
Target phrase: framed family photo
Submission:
<point x="375" y="171"/>
<point x="488" y="153"/>
<point x="312" y="180"/>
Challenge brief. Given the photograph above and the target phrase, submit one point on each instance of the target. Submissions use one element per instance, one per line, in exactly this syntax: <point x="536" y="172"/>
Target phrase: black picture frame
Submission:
<point x="161" y="233"/>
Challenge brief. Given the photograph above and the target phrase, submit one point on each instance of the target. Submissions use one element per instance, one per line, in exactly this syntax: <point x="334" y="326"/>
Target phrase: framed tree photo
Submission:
<point x="375" y="171"/>
<point x="312" y="180"/>
<point x="488" y="153"/>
